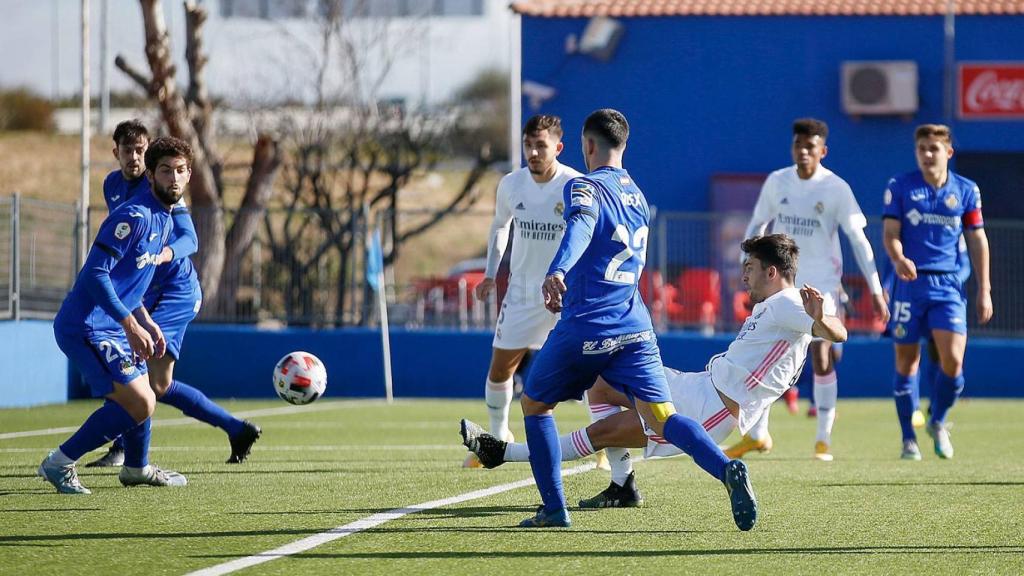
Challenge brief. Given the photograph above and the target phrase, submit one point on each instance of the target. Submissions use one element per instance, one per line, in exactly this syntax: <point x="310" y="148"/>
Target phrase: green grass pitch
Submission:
<point x="336" y="462"/>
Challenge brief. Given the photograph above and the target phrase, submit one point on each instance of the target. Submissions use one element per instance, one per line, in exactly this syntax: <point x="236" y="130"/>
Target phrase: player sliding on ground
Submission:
<point x="736" y="387"/>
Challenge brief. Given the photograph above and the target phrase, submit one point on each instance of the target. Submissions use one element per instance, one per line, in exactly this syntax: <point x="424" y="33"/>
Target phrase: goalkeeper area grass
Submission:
<point x="336" y="488"/>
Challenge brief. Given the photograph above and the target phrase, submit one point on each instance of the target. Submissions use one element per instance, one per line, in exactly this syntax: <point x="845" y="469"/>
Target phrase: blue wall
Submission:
<point x="708" y="95"/>
<point x="34" y="370"/>
<point x="227" y="361"/>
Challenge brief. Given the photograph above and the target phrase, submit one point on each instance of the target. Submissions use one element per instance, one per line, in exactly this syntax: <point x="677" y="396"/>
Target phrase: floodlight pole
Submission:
<point x="949" y="64"/>
<point x="104" y="66"/>
<point x="83" y="204"/>
<point x="515" y="84"/>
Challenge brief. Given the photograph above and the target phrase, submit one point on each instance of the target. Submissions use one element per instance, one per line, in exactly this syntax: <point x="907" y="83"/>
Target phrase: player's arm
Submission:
<point x="580" y="220"/>
<point x="497" y="240"/>
<point x="118" y="234"/>
<point x="825" y="326"/>
<point x="892" y="227"/>
<point x="184" y="240"/>
<point x="852" y="221"/>
<point x="977" y="247"/>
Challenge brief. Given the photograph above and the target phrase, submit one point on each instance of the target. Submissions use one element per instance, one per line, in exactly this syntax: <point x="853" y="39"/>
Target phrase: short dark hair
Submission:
<point x="536" y="123"/>
<point x="776" y="250"/>
<point x="940" y="131"/>
<point x="167" y="146"/>
<point x="609" y="126"/>
<point x="130" y="131"/>
<point x="810" y="127"/>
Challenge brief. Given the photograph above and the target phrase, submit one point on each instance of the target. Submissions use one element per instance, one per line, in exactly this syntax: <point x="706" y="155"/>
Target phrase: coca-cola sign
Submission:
<point x="992" y="90"/>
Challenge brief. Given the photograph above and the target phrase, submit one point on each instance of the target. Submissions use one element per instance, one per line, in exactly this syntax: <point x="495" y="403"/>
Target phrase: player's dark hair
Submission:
<point x="609" y="126"/>
<point x="129" y="131"/>
<point x="776" y="250"/>
<point x="538" y="122"/>
<point x="167" y="146"/>
<point x="810" y="127"/>
<point x="940" y="131"/>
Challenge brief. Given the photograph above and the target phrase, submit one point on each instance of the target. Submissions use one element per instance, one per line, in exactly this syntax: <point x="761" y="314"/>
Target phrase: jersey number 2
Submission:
<point x="636" y="245"/>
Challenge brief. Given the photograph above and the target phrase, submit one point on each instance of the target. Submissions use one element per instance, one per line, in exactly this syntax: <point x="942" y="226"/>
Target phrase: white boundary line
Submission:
<point x="373" y="521"/>
<point x="184" y="421"/>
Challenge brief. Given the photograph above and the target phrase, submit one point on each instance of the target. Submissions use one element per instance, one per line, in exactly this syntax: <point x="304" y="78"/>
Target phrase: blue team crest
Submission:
<point x="581" y="194"/>
<point x="951" y="201"/>
<point x="900" y="331"/>
<point x="127" y="366"/>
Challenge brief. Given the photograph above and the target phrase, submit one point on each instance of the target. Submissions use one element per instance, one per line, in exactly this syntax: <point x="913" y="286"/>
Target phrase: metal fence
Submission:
<point x="691" y="282"/>
<point x="37" y="256"/>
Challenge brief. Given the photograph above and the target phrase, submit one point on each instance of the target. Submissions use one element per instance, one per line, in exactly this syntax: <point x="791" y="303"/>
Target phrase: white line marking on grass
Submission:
<point x="373" y="521"/>
<point x="184" y="421"/>
<point x="282" y="448"/>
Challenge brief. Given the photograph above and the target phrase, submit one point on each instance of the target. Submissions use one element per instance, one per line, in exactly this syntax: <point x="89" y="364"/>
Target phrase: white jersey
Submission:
<point x="537" y="211"/>
<point x="766" y="357"/>
<point x="811" y="212"/>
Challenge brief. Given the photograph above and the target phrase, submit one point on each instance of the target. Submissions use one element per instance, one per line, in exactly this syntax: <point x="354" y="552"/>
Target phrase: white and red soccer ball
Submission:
<point x="300" y="378"/>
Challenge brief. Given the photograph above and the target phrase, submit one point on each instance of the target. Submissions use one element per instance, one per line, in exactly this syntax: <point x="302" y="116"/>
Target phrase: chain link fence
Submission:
<point x="316" y="274"/>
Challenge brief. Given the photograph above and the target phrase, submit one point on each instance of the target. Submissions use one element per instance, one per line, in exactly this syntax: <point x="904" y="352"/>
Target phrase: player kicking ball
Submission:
<point x="605" y="329"/>
<point x="737" y="386"/>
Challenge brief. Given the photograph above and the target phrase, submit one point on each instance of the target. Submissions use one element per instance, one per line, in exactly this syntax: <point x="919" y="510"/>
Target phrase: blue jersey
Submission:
<point x="178" y="273"/>
<point x="119" y="267"/>
<point x="602" y="271"/>
<point x="932" y="221"/>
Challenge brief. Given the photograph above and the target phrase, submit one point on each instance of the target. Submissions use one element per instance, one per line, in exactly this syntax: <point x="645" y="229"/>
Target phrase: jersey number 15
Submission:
<point x="637" y="245"/>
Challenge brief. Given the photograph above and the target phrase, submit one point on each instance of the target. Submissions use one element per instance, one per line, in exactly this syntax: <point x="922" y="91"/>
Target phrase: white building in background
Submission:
<point x="265" y="51"/>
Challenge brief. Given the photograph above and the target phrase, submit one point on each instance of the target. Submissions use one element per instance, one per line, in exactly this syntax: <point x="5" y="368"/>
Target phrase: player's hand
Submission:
<point x="484" y="289"/>
<point x="814" y="302"/>
<point x="906" y="269"/>
<point x="165" y="256"/>
<point x="159" y="342"/>
<point x="984" y="305"/>
<point x="881" y="307"/>
<point x="139" y="338"/>
<point x="553" y="288"/>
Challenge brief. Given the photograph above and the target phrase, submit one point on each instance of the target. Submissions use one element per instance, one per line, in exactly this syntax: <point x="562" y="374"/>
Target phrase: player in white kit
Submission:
<point x="531" y="197"/>
<point x="810" y="203"/>
<point x="735" y="389"/>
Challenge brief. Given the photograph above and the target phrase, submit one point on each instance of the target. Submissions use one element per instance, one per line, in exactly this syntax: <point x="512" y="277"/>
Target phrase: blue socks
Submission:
<point x="196" y="405"/>
<point x="903" y="388"/>
<point x="136" y="445"/>
<point x="545" y="460"/>
<point x="692" y="438"/>
<point x="100" y="427"/>
<point x="946" y="389"/>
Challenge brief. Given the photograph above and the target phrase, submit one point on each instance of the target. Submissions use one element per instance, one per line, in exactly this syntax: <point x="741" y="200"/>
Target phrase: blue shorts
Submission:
<point x="172" y="309"/>
<point x="102" y="357"/>
<point x="932" y="302"/>
<point x="568" y="365"/>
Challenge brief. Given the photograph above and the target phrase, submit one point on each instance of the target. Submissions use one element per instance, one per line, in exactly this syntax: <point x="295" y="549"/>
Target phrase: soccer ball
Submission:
<point x="300" y="378"/>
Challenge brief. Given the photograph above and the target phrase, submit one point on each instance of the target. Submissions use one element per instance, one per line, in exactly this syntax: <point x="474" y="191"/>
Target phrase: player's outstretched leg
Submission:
<point x="741" y="495"/>
<point x="626" y="495"/>
<point x="113" y="458"/>
<point x="489" y="450"/>
<point x="194" y="404"/>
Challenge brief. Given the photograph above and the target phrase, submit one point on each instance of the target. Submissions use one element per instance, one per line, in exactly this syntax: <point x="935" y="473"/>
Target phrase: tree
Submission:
<point x="188" y="116"/>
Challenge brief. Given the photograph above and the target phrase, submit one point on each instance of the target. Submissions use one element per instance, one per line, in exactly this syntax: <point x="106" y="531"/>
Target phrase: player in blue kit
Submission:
<point x="173" y="299"/>
<point x="605" y="329"/>
<point x="104" y="329"/>
<point x="925" y="213"/>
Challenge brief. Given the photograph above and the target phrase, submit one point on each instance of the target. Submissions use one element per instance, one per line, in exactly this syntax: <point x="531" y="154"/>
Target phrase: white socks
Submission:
<point x="618" y="458"/>
<point x="575" y="445"/>
<point x="498" y="398"/>
<point x="826" y="389"/>
<point x="759" y="431"/>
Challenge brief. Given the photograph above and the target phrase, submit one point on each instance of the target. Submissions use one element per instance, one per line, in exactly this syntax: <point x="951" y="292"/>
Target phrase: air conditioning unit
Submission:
<point x="879" y="87"/>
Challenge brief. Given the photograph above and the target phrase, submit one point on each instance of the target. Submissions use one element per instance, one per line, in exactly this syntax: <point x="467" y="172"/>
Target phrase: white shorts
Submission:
<point x="523" y="325"/>
<point x="694" y="397"/>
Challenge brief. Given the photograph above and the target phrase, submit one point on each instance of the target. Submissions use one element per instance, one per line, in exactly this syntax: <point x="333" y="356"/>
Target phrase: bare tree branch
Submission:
<point x="143" y="81"/>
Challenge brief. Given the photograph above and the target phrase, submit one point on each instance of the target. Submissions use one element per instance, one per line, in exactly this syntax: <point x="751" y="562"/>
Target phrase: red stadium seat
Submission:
<point x="860" y="315"/>
<point x="700" y="293"/>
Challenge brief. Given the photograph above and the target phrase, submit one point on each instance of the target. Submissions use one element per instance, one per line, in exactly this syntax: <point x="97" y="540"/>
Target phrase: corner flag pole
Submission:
<point x="375" y="279"/>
